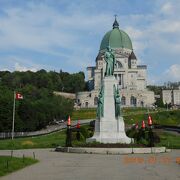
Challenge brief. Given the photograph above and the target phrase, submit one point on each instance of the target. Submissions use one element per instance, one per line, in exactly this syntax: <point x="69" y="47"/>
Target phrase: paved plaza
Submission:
<point x="56" y="165"/>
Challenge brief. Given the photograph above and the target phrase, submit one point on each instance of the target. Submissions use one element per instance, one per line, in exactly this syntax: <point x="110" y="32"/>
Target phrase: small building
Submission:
<point x="171" y="97"/>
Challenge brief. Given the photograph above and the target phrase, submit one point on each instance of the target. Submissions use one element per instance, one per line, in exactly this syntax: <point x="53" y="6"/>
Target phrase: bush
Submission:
<point x="84" y="131"/>
<point x="146" y="137"/>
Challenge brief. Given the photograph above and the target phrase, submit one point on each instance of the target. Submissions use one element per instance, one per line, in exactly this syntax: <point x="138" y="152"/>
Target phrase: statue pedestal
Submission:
<point x="109" y="129"/>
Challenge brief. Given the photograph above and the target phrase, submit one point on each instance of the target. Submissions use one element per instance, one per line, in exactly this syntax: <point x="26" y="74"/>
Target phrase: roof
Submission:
<point x="132" y="56"/>
<point x="142" y="67"/>
<point x="116" y="38"/>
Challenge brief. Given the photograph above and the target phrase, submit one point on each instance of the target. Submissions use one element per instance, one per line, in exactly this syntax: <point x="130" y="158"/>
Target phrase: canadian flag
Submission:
<point x="19" y="96"/>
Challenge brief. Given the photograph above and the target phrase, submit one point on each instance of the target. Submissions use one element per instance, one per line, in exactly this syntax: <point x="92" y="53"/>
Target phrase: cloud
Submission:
<point x="173" y="73"/>
<point x="66" y="35"/>
<point x="167" y="8"/>
<point x="19" y="67"/>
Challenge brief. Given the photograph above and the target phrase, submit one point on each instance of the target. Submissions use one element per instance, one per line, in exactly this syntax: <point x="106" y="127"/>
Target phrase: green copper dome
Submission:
<point x="116" y="38"/>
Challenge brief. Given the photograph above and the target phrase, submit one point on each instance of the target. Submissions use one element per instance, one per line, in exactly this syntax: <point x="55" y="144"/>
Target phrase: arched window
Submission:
<point x="118" y="65"/>
<point x="95" y="100"/>
<point x="86" y="104"/>
<point x="133" y="101"/>
<point x="123" y="100"/>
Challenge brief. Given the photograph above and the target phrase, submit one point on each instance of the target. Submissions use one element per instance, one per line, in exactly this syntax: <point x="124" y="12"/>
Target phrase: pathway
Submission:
<point x="57" y="166"/>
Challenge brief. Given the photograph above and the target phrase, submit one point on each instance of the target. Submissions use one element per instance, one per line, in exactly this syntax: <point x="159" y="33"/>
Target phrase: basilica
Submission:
<point x="131" y="77"/>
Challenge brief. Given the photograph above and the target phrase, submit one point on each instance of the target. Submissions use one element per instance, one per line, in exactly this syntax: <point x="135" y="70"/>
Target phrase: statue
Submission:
<point x="100" y="109"/>
<point x="110" y="61"/>
<point x="117" y="101"/>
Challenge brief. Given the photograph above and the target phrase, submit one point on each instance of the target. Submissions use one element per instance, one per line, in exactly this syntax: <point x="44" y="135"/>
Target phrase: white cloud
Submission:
<point x="173" y="73"/>
<point x="72" y="36"/>
<point x="167" y="8"/>
<point x="19" y="67"/>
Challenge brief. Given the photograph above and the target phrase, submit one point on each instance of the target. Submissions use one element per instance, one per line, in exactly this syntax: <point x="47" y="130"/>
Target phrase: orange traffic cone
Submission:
<point x="149" y="120"/>
<point x="69" y="121"/>
<point x="143" y="124"/>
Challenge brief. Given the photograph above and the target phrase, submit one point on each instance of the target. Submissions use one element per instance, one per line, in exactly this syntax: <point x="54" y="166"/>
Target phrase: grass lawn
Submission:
<point x="134" y="115"/>
<point x="163" y="118"/>
<point x="84" y="114"/>
<point x="58" y="139"/>
<point x="9" y="164"/>
<point x="169" y="140"/>
<point x="45" y="141"/>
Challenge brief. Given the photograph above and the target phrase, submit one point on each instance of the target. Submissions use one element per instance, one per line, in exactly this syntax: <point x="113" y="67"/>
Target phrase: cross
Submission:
<point x="115" y="16"/>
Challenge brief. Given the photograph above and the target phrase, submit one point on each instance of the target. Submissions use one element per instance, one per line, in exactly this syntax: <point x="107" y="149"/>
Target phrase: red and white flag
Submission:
<point x="19" y="96"/>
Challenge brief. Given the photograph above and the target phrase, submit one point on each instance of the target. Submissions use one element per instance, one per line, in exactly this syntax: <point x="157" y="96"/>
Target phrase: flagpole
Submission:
<point x="14" y="108"/>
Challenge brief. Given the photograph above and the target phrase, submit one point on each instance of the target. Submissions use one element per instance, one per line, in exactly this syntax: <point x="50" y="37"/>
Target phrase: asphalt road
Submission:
<point x="56" y="165"/>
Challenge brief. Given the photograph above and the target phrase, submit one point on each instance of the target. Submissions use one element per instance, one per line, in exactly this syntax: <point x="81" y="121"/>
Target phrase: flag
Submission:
<point x="19" y="96"/>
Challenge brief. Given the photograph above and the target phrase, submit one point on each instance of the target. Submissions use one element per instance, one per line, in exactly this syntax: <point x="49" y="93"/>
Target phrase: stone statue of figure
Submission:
<point x="110" y="61"/>
<point x="117" y="100"/>
<point x="100" y="109"/>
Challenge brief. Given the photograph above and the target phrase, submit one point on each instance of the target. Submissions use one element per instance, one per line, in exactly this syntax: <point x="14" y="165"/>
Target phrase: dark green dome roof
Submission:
<point x="116" y="38"/>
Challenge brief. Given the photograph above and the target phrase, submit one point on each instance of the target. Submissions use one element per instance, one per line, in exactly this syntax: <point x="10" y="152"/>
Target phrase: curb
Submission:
<point x="113" y="151"/>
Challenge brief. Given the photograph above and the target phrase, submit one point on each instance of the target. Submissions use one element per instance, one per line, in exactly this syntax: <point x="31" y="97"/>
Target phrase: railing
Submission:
<point x="50" y="129"/>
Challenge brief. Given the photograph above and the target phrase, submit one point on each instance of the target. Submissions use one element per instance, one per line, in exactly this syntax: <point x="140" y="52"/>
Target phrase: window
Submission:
<point x="86" y="104"/>
<point x="118" y="65"/>
<point x="95" y="100"/>
<point x="133" y="101"/>
<point x="123" y="100"/>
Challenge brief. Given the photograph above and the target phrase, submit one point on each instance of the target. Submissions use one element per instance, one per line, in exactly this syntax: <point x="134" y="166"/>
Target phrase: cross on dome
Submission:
<point x="115" y="24"/>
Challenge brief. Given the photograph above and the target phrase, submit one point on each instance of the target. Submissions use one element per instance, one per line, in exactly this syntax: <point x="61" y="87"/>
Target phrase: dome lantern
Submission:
<point x="115" y="24"/>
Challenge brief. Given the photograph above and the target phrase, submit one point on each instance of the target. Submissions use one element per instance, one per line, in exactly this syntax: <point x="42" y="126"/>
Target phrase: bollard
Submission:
<point x="7" y="164"/>
<point x="34" y="155"/>
<point x="68" y="137"/>
<point x="11" y="153"/>
<point x="132" y="146"/>
<point x="23" y="158"/>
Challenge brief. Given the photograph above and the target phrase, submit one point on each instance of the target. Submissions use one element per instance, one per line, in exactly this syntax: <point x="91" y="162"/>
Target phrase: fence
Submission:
<point x="48" y="130"/>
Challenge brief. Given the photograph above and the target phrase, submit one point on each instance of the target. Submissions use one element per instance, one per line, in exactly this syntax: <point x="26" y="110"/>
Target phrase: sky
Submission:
<point x="66" y="35"/>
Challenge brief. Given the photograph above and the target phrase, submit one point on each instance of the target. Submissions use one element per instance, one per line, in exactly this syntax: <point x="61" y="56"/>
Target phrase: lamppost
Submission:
<point x="150" y="131"/>
<point x="68" y="133"/>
